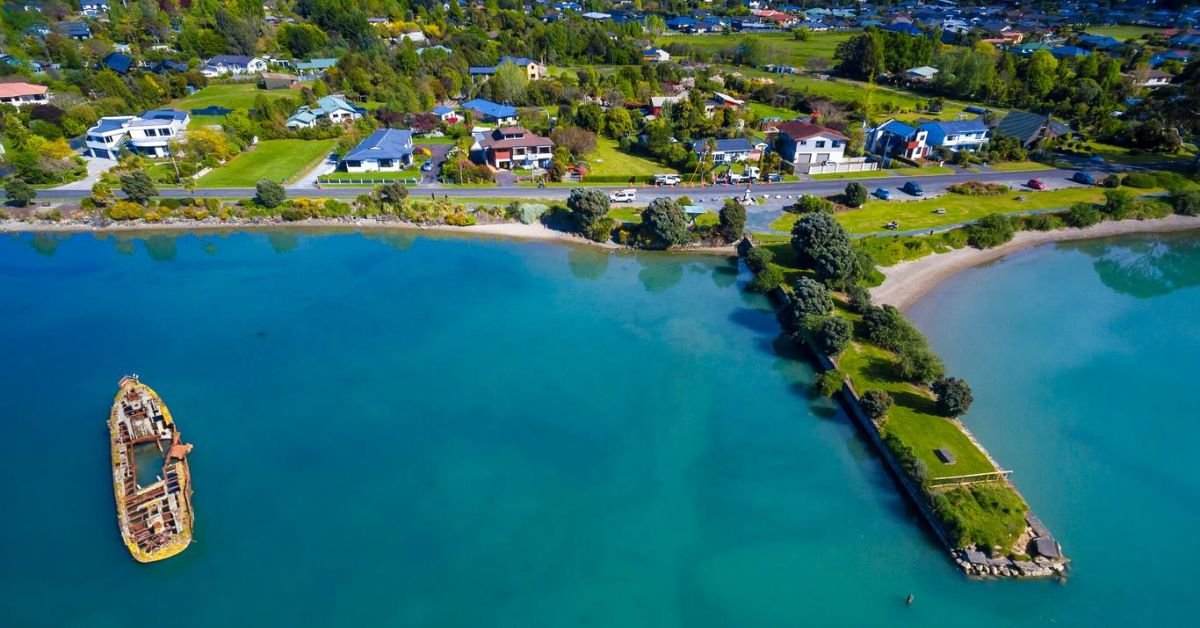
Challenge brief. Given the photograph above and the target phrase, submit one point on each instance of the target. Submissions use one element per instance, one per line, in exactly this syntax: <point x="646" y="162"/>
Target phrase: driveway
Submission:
<point x="95" y="168"/>
<point x="309" y="179"/>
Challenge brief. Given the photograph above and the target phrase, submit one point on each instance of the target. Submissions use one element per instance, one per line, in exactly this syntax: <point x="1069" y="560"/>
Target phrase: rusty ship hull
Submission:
<point x="155" y="519"/>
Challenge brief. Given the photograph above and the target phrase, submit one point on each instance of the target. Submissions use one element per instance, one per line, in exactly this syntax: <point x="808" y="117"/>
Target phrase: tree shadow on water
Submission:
<point x="1147" y="268"/>
<point x="725" y="275"/>
<point x="588" y="263"/>
<point x="283" y="241"/>
<point x="46" y="243"/>
<point x="660" y="274"/>
<point x="162" y="248"/>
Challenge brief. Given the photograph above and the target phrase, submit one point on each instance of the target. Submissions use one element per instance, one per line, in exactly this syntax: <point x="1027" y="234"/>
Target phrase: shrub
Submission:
<point x="989" y="231"/>
<point x="887" y="327"/>
<point x="758" y="258"/>
<point x="855" y="194"/>
<point x="125" y="210"/>
<point x="830" y="382"/>
<point x="393" y="193"/>
<point x="138" y="187"/>
<point x="1186" y="203"/>
<point x="460" y="219"/>
<point x="978" y="188"/>
<point x="833" y="335"/>
<point x="269" y="194"/>
<point x="170" y="204"/>
<point x="1172" y="181"/>
<point x="1141" y="180"/>
<point x="860" y="298"/>
<point x="527" y="213"/>
<point x="766" y="280"/>
<point x="808" y="204"/>
<point x="876" y="403"/>
<point x="1118" y="204"/>
<point x="19" y="192"/>
<point x="920" y="364"/>
<point x="953" y="396"/>
<point x="1111" y="181"/>
<point x="600" y="230"/>
<point x="810" y="298"/>
<point x="1082" y="215"/>
<point x="1042" y="222"/>
<point x="212" y="205"/>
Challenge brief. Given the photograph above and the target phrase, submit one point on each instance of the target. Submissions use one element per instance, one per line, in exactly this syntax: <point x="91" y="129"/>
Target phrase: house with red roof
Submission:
<point x="22" y="94"/>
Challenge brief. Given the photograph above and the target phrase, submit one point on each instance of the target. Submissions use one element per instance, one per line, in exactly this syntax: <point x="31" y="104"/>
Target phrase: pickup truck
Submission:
<point x="667" y="179"/>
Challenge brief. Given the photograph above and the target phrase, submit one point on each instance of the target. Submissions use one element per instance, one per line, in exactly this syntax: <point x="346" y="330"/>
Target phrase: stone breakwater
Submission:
<point x="1046" y="559"/>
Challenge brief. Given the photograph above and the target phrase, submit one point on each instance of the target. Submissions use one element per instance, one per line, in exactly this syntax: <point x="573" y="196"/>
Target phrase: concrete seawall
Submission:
<point x="972" y="562"/>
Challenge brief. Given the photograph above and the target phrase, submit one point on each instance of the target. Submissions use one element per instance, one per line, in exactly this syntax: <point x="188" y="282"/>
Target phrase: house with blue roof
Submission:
<point x="956" y="135"/>
<point x="682" y="23"/>
<point x="1069" y="52"/>
<point x="490" y="112"/>
<point x="75" y="30"/>
<point x="148" y="134"/>
<point x="897" y="139"/>
<point x="385" y="150"/>
<point x="904" y="27"/>
<point x="725" y="151"/>
<point x="93" y="8"/>
<point x="446" y="113"/>
<point x="1182" y="56"/>
<point x="1100" y="42"/>
<point x="117" y="62"/>
<point x="655" y="55"/>
<point x="328" y="110"/>
<point x="315" y="67"/>
<point x="1186" y="40"/>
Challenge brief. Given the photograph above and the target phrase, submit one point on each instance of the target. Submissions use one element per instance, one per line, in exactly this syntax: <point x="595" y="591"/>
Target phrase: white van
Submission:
<point x="667" y="179"/>
<point x="623" y="196"/>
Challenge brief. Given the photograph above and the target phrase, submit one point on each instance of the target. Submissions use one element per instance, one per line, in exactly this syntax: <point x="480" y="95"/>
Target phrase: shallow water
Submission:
<point x="402" y="430"/>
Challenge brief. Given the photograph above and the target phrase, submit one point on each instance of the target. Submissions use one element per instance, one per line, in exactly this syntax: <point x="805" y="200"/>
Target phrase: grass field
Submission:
<point x="272" y="160"/>
<point x="960" y="208"/>
<point x="1018" y="166"/>
<point x="862" y="174"/>
<point x="334" y="177"/>
<point x="912" y="418"/>
<point x="1123" y="32"/>
<point x="237" y="96"/>
<point x="608" y="160"/>
<point x="767" y="111"/>
<point x="921" y="172"/>
<point x="781" y="48"/>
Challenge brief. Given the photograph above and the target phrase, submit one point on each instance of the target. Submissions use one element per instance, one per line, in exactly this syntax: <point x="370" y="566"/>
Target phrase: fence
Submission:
<point x="366" y="181"/>
<point x="854" y="164"/>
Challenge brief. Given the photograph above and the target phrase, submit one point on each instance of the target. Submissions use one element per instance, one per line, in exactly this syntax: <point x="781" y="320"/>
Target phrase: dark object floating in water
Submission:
<point x="909" y="601"/>
<point x="261" y="334"/>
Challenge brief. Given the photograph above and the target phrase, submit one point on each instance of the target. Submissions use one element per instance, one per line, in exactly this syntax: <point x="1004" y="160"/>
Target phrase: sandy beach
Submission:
<point x="907" y="282"/>
<point x="506" y="230"/>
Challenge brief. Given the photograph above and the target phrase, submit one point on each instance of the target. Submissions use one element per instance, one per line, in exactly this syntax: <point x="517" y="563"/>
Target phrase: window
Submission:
<point x="820" y="143"/>
<point x="802" y="143"/>
<point x="385" y="163"/>
<point x="951" y="138"/>
<point x="835" y="144"/>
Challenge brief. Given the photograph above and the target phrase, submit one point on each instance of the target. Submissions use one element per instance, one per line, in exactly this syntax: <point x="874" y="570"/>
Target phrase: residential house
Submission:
<point x="328" y="110"/>
<point x="117" y="62"/>
<point x="722" y="101"/>
<point x="903" y="27"/>
<point x="725" y="151"/>
<point x="923" y="74"/>
<point x="1100" y="42"/>
<point x="1069" y="52"/>
<point x="93" y="8"/>
<point x="446" y="114"/>
<point x="514" y="147"/>
<point x="683" y="24"/>
<point x="222" y="65"/>
<point x="534" y="70"/>
<point x="148" y="134"/>
<point x="655" y="55"/>
<point x="895" y="138"/>
<point x="805" y="144"/>
<point x="23" y="94"/>
<point x="78" y="31"/>
<point x="166" y="66"/>
<point x="490" y="112"/>
<point x="313" y="68"/>
<point x="657" y="103"/>
<point x="778" y="18"/>
<point x="277" y="80"/>
<point x="956" y="135"/>
<point x="385" y="150"/>
<point x="1181" y="56"/>
<point x="1152" y="79"/>
<point x="1030" y="128"/>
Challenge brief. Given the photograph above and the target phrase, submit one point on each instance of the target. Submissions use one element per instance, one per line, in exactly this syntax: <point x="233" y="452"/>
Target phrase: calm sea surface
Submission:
<point x="412" y="431"/>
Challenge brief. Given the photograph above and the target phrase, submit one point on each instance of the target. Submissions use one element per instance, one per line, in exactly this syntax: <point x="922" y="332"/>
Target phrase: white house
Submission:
<point x="93" y="8"/>
<point x="385" y="150"/>
<point x="805" y="144"/>
<point x="22" y="94"/>
<point x="148" y="134"/>
<point x="222" y="65"/>
<point x="655" y="55"/>
<point x="331" y="109"/>
<point x="923" y="74"/>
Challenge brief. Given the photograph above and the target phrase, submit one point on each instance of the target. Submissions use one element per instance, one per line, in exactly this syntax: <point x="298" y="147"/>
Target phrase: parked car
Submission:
<point x="975" y="109"/>
<point x="737" y="178"/>
<point x="883" y="193"/>
<point x="667" y="179"/>
<point x="892" y="226"/>
<point x="427" y="166"/>
<point x="1096" y="159"/>
<point x="774" y="177"/>
<point x="1084" y="178"/>
<point x="623" y="196"/>
<point x="1036" y="184"/>
<point x="914" y="188"/>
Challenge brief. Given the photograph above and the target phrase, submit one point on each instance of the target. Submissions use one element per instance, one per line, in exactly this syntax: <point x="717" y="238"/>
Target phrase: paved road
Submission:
<point x="932" y="184"/>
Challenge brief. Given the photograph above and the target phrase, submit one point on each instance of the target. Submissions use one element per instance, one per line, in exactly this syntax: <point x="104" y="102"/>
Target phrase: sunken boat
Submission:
<point x="150" y="474"/>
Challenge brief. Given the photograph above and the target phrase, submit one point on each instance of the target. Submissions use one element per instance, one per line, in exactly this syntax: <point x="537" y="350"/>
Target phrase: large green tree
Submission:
<point x="823" y="245"/>
<point x="588" y="205"/>
<point x="664" y="224"/>
<point x="731" y="220"/>
<point x="138" y="187"/>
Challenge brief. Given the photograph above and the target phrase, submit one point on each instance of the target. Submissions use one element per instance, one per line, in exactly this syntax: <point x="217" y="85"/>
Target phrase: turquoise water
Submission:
<point x="416" y="431"/>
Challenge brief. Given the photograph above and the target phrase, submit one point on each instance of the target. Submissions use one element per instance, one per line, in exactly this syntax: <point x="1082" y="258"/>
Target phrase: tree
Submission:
<point x="1186" y="203"/>
<point x="138" y="187"/>
<point x="269" y="194"/>
<point x="509" y="83"/>
<point x="576" y="140"/>
<point x="766" y="280"/>
<point x="1082" y="215"/>
<point x="875" y="403"/>
<point x="830" y="382"/>
<point x="824" y="246"/>
<point x="759" y="258"/>
<point x="301" y="39"/>
<point x="731" y="220"/>
<point x="953" y="396"/>
<point x="808" y="203"/>
<point x="19" y="192"/>
<point x="1118" y="204"/>
<point x="617" y="123"/>
<point x="664" y="223"/>
<point x="989" y="231"/>
<point x="102" y="194"/>
<point x="588" y="205"/>
<point x="833" y="335"/>
<point x="810" y="298"/>
<point x="1041" y="73"/>
<point x="393" y="193"/>
<point x="856" y="194"/>
<point x="918" y="363"/>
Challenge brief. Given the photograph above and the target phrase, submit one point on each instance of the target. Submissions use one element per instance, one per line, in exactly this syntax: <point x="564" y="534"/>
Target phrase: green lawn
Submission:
<point x="334" y="177"/>
<point x="781" y="48"/>
<point x="871" y="217"/>
<point x="235" y="96"/>
<point x="1122" y="155"/>
<point x="1122" y="32"/>
<point x="1018" y="166"/>
<point x="767" y="111"/>
<point x="921" y="172"/>
<point x="627" y="213"/>
<point x="272" y="160"/>
<point x="862" y="174"/>
<point x="608" y="160"/>
<point x="912" y="418"/>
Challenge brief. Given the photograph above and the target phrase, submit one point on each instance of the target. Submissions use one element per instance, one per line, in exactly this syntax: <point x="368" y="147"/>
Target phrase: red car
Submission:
<point x="1036" y="184"/>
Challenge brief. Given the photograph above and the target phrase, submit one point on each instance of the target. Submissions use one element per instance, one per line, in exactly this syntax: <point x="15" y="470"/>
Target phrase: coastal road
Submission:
<point x="932" y="184"/>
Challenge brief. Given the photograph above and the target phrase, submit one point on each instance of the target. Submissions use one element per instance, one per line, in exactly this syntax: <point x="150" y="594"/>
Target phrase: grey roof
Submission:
<point x="158" y="116"/>
<point x="241" y="60"/>
<point x="1025" y="126"/>
<point x="105" y="125"/>
<point x="383" y="144"/>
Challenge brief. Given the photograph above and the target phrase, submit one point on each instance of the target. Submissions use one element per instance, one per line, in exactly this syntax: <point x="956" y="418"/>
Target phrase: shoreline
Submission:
<point x="908" y="282"/>
<point x="500" y="230"/>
